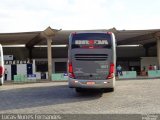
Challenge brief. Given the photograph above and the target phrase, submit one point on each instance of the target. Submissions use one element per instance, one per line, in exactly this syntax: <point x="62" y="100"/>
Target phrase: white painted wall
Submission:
<point x="38" y="75"/>
<point x="147" y="61"/>
<point x="22" y="69"/>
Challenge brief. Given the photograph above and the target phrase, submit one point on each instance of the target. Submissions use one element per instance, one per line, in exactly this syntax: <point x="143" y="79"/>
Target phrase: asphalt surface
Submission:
<point x="130" y="97"/>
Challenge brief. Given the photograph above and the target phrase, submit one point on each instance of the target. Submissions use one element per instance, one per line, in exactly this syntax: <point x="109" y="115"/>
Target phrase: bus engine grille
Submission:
<point x="91" y="57"/>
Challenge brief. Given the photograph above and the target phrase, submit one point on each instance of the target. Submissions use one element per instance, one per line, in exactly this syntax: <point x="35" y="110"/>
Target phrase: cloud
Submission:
<point x="63" y="13"/>
<point x="85" y="14"/>
<point x="33" y="15"/>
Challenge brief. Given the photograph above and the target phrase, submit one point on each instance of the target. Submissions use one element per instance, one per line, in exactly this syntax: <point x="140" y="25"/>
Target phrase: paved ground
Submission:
<point x="130" y="97"/>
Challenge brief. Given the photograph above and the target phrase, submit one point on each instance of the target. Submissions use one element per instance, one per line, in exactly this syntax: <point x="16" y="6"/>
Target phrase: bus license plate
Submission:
<point x="90" y="83"/>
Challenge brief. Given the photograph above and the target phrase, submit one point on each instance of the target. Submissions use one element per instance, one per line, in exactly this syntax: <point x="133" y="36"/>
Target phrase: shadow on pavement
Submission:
<point x="43" y="96"/>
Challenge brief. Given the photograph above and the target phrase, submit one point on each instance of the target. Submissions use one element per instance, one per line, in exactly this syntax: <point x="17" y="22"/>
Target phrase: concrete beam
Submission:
<point x="48" y="32"/>
<point x="157" y="34"/>
<point x="35" y="41"/>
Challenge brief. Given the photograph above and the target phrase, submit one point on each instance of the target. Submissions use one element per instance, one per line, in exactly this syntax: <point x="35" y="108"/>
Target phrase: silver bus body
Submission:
<point x="92" y="60"/>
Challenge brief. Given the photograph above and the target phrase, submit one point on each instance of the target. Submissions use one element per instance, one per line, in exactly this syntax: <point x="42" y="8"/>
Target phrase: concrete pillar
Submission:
<point x="30" y="53"/>
<point x="49" y="52"/>
<point x="158" y="50"/>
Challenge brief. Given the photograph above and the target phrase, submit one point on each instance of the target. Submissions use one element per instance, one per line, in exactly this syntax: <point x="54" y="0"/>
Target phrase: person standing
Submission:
<point x="154" y="67"/>
<point x="150" y="67"/>
<point x="5" y="74"/>
<point x="119" y="70"/>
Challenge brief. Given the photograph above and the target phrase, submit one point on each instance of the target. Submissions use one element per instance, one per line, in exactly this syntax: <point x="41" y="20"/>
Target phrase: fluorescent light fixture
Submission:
<point x="59" y="45"/>
<point x="129" y="45"/>
<point x="51" y="46"/>
<point x="20" y="45"/>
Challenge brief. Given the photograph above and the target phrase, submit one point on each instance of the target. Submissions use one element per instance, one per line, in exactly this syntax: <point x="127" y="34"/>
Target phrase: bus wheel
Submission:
<point x="1" y="82"/>
<point x="109" y="90"/>
<point x="78" y="90"/>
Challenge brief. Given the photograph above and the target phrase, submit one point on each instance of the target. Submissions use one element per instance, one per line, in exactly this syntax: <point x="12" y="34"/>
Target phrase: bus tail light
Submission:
<point x="111" y="71"/>
<point x="73" y="33"/>
<point x="1" y="71"/>
<point x="71" y="74"/>
<point x="109" y="33"/>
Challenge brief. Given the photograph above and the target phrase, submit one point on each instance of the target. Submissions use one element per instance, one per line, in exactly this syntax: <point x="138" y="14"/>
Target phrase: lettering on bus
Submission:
<point x="91" y="42"/>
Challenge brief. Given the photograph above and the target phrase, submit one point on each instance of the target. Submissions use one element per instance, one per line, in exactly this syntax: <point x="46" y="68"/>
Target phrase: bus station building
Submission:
<point x="44" y="53"/>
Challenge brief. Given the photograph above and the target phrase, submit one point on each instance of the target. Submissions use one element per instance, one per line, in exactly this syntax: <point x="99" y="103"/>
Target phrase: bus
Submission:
<point x="1" y="66"/>
<point x="92" y="61"/>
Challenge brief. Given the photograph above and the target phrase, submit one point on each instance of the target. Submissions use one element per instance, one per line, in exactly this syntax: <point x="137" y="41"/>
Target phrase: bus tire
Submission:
<point x="1" y="81"/>
<point x="78" y="90"/>
<point x="109" y="90"/>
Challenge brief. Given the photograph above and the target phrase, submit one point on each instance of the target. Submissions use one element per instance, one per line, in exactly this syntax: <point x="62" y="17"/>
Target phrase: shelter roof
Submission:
<point x="61" y="36"/>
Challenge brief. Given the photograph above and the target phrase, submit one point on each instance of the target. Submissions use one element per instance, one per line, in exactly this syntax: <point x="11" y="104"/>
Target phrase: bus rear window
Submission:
<point x="91" y="40"/>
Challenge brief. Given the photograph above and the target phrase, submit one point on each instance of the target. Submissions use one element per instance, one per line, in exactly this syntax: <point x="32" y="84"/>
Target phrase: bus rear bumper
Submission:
<point x="109" y="83"/>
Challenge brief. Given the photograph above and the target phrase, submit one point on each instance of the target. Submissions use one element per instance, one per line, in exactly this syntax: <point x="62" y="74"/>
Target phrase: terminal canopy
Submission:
<point x="59" y="37"/>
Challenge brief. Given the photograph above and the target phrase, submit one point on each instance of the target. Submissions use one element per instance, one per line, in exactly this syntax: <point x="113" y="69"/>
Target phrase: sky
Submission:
<point x="37" y="15"/>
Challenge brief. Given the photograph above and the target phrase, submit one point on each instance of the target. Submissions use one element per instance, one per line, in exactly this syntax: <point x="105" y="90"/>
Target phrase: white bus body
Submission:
<point x="1" y="66"/>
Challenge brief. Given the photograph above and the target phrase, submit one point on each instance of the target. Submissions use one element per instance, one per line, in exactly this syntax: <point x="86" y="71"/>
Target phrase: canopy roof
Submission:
<point x="125" y="37"/>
